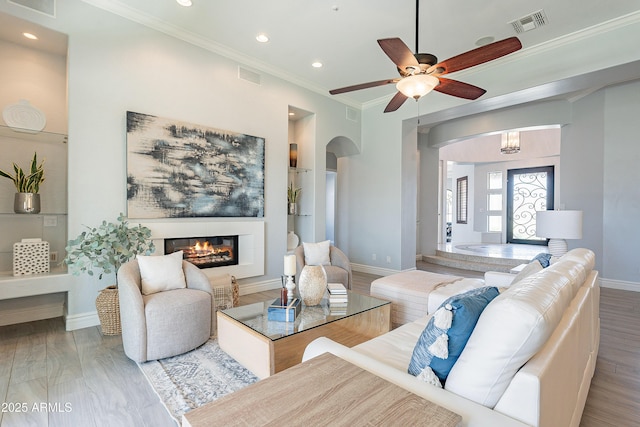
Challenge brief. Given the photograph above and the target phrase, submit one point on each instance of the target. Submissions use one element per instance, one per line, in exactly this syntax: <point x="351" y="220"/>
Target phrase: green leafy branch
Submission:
<point x="293" y="193"/>
<point x="107" y="247"/>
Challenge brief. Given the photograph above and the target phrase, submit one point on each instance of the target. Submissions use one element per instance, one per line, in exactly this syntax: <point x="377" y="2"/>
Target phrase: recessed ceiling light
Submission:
<point x="291" y="113"/>
<point x="185" y="3"/>
<point x="262" y="38"/>
<point x="30" y="36"/>
<point x="485" y="40"/>
<point x="317" y="64"/>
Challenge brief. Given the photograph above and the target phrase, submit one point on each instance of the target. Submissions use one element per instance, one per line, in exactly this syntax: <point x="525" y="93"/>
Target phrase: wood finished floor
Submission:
<point x="84" y="379"/>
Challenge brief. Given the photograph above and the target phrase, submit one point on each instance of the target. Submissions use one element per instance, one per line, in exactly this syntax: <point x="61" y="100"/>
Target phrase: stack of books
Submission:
<point x="338" y="298"/>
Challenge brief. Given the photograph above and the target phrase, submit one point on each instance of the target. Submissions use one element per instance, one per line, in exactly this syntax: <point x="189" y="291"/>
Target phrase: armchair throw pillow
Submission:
<point x="448" y="331"/>
<point x="161" y="273"/>
<point x="317" y="253"/>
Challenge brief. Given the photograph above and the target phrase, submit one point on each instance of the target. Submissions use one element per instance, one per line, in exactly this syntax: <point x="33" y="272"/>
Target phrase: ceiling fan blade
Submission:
<point x="362" y="86"/>
<point x="399" y="53"/>
<point x="459" y="89"/>
<point x="396" y="102"/>
<point x="478" y="56"/>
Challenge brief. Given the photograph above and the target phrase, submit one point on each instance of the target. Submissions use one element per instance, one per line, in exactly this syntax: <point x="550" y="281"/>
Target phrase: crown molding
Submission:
<point x="127" y="12"/>
<point x="123" y="10"/>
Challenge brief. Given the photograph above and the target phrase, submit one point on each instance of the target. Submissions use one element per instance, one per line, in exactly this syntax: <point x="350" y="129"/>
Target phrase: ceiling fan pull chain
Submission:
<point x="417" y="23"/>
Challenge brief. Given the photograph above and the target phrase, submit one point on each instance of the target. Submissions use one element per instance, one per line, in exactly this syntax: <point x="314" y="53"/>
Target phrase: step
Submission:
<point x="471" y="263"/>
<point x="510" y="262"/>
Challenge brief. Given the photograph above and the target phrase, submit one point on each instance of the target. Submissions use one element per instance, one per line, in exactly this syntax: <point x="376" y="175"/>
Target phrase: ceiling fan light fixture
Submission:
<point x="417" y="86"/>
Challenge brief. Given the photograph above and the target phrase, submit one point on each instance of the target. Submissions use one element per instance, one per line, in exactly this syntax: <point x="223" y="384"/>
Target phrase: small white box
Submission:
<point x="30" y="258"/>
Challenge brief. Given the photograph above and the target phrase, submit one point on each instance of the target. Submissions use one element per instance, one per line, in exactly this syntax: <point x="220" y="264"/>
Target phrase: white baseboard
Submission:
<point x="378" y="271"/>
<point x="620" y="284"/>
<point x="252" y="288"/>
<point x="82" y="320"/>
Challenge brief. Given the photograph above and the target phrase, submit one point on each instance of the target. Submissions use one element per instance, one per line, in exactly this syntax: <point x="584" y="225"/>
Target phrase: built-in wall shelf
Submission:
<point x="42" y="136"/>
<point x="8" y="275"/>
<point x="299" y="170"/>
<point x="301" y="223"/>
<point x="38" y="215"/>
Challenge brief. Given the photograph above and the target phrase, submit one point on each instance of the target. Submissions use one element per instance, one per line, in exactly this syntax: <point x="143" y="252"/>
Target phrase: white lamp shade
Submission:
<point x="559" y="224"/>
<point x="417" y="86"/>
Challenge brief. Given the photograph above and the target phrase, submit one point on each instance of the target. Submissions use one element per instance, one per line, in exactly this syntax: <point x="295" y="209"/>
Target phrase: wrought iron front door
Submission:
<point x="528" y="190"/>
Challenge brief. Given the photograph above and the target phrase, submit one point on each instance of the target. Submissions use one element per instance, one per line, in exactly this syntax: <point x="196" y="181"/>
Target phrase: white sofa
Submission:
<point x="530" y="357"/>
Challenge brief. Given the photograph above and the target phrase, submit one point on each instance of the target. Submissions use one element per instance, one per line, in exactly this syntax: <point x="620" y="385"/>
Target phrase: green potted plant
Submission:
<point x="292" y="198"/>
<point x="27" y="199"/>
<point x="104" y="249"/>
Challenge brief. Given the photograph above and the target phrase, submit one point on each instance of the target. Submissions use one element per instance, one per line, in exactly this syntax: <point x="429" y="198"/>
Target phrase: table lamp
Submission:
<point x="558" y="226"/>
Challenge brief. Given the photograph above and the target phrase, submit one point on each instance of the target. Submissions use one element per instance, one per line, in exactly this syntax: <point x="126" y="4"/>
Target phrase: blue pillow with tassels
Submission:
<point x="543" y="258"/>
<point x="447" y="333"/>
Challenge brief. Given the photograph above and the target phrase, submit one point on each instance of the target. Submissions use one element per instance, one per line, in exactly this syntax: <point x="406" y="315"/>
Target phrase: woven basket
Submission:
<point x="108" y="307"/>
<point x="235" y="291"/>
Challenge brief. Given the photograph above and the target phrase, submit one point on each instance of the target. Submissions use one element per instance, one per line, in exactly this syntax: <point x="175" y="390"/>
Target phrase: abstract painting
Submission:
<point x="179" y="170"/>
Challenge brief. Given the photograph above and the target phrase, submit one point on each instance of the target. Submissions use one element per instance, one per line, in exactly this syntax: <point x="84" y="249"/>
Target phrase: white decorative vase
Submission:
<point x="313" y="283"/>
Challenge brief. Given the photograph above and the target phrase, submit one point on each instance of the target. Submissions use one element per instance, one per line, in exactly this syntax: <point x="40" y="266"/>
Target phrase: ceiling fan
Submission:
<point x="420" y="73"/>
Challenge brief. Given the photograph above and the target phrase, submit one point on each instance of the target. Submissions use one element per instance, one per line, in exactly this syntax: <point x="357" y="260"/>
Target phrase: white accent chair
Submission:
<point x="166" y="323"/>
<point x="338" y="272"/>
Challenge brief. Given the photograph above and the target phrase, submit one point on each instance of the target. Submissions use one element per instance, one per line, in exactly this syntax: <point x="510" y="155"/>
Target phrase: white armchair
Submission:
<point x="166" y="323"/>
<point x="338" y="272"/>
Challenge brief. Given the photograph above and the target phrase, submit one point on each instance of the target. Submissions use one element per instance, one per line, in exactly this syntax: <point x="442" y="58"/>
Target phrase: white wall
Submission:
<point x="116" y="65"/>
<point x="374" y="206"/>
<point x="621" y="177"/>
<point x="464" y="233"/>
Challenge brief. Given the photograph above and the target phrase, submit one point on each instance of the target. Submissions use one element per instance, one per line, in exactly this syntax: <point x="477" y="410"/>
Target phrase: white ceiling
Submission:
<point x="342" y="34"/>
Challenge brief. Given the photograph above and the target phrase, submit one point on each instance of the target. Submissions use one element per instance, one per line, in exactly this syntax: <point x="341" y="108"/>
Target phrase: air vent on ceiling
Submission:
<point x="352" y="114"/>
<point x="248" y="75"/>
<point x="530" y="22"/>
<point x="48" y="7"/>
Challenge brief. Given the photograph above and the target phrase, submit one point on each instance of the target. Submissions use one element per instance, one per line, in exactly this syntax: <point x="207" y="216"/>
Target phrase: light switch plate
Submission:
<point x="50" y="221"/>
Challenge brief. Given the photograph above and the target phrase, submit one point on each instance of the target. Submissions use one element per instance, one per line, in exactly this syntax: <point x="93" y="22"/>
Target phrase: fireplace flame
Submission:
<point x="203" y="249"/>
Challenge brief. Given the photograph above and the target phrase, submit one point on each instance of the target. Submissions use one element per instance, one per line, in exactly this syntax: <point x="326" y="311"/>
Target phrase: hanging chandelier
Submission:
<point x="510" y="143"/>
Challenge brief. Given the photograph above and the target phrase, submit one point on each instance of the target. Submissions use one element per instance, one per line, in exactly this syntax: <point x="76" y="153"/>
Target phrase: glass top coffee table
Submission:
<point x="266" y="346"/>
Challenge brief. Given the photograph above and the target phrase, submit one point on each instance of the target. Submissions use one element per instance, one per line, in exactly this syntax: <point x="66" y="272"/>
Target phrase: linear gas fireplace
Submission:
<point x="205" y="252"/>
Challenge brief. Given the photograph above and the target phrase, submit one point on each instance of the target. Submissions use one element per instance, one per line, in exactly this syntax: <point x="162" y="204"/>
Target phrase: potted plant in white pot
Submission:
<point x="27" y="199"/>
<point x="104" y="249"/>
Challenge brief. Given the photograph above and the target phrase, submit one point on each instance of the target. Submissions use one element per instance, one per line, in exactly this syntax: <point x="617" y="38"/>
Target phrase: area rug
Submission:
<point x="195" y="378"/>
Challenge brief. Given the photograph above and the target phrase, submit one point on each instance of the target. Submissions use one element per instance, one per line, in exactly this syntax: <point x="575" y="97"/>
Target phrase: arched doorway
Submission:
<point x="337" y="190"/>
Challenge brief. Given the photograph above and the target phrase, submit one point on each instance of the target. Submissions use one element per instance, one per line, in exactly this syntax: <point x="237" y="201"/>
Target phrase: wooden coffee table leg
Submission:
<point x="265" y="357"/>
<point x="251" y="349"/>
